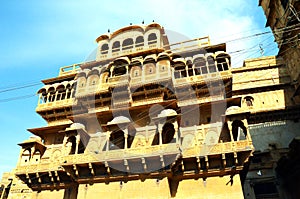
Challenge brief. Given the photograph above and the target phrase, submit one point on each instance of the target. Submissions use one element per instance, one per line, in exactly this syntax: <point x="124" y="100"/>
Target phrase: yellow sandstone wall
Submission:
<point x="215" y="187"/>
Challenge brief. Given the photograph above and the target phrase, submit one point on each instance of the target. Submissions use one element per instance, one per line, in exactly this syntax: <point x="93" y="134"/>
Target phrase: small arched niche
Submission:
<point x="104" y="49"/>
<point x="25" y="157"/>
<point x="36" y="158"/>
<point x="239" y="131"/>
<point x="152" y="38"/>
<point x="71" y="145"/>
<point x="127" y="44"/>
<point x="180" y="69"/>
<point x="139" y="41"/>
<point x="200" y="65"/>
<point x="116" y="46"/>
<point x="223" y="61"/>
<point x="248" y="100"/>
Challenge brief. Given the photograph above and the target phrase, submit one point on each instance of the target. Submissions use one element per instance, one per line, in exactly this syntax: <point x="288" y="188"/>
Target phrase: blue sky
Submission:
<point x="38" y="37"/>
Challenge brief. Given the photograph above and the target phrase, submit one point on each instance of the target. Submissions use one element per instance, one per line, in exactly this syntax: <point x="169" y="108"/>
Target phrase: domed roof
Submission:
<point x="77" y="126"/>
<point x="232" y="110"/>
<point x="119" y="120"/>
<point x="167" y="113"/>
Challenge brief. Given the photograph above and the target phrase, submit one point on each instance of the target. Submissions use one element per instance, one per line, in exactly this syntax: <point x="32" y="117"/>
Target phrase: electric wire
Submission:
<point x="239" y="52"/>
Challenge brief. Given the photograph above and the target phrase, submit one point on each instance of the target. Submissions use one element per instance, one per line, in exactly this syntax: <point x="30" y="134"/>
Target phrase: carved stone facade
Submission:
<point x="148" y="119"/>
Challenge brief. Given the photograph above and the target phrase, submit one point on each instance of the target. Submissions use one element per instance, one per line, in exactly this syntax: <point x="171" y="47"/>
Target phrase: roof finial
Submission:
<point x="143" y="21"/>
<point x="130" y="23"/>
<point x="153" y="20"/>
<point x="108" y="31"/>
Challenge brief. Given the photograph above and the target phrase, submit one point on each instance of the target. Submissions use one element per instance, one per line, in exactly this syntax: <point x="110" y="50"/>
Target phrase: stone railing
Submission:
<point x="201" y="79"/>
<point x="151" y="100"/>
<point x="130" y="49"/>
<point x="122" y="154"/>
<point x="40" y="167"/>
<point x="66" y="70"/>
<point x="219" y="148"/>
<point x="118" y="80"/>
<point x="57" y="104"/>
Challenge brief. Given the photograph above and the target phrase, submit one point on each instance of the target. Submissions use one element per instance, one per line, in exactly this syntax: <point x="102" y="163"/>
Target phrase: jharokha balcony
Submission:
<point x="122" y="152"/>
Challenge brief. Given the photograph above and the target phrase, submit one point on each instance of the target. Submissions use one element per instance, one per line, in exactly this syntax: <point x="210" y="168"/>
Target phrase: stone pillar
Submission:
<point x="160" y="126"/>
<point x="77" y="143"/>
<point x="245" y="122"/>
<point x="229" y="123"/>
<point x="111" y="70"/>
<point x="107" y="140"/>
<point x="127" y="69"/>
<point x="126" y="138"/>
<point x="157" y="70"/>
<point x="175" y="124"/>
<point x="48" y="98"/>
<point x="55" y="98"/>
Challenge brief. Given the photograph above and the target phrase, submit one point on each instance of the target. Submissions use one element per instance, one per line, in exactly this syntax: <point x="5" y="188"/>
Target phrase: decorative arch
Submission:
<point x="81" y="82"/>
<point x="104" y="77"/>
<point x="71" y="145"/>
<point x="239" y="131"/>
<point x="152" y="38"/>
<point x="104" y="49"/>
<point x="61" y="92"/>
<point x="249" y="100"/>
<point x="212" y="68"/>
<point x="223" y="61"/>
<point x="139" y="41"/>
<point x="127" y="44"/>
<point x="199" y="63"/>
<point x="179" y="68"/>
<point x="36" y="158"/>
<point x="26" y="156"/>
<point x="117" y="140"/>
<point x="43" y="95"/>
<point x="120" y="66"/>
<point x="189" y="66"/>
<point x="69" y="90"/>
<point x="136" y="71"/>
<point x="168" y="132"/>
<point x="116" y="46"/>
<point x="51" y="92"/>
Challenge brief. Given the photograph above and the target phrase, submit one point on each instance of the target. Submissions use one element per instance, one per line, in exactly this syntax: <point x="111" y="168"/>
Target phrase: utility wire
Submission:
<point x="243" y="51"/>
<point x="20" y="87"/>
<point x="16" y="98"/>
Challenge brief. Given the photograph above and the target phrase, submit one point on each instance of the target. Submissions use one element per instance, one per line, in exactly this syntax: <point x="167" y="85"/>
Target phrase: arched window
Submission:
<point x="222" y="62"/>
<point x="104" y="49"/>
<point x="69" y="91"/>
<point x="43" y="96"/>
<point x="239" y="131"/>
<point x="61" y="93"/>
<point x="180" y="70"/>
<point x="168" y="132"/>
<point x="139" y="41"/>
<point x="211" y="64"/>
<point x="25" y="157"/>
<point x="200" y="66"/>
<point x="52" y="94"/>
<point x="116" y="46"/>
<point x="127" y="44"/>
<point x="36" y="156"/>
<point x="120" y="68"/>
<point x="152" y="39"/>
<point x="117" y="140"/>
<point x="149" y="68"/>
<point x="71" y="145"/>
<point x="249" y="101"/>
<point x="190" y="68"/>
